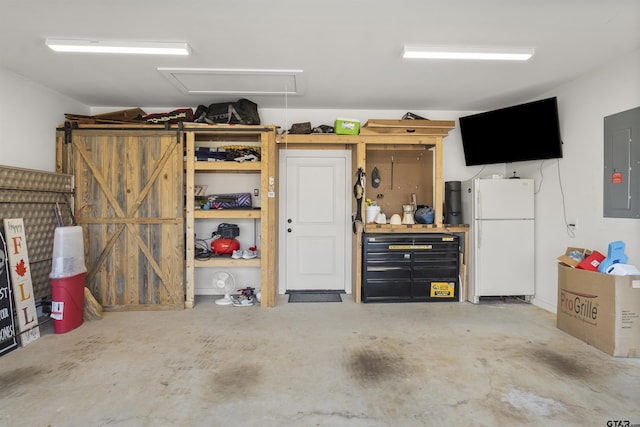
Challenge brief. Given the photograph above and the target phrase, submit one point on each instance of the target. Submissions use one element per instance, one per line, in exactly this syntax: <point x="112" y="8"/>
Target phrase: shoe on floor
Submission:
<point x="242" y="301"/>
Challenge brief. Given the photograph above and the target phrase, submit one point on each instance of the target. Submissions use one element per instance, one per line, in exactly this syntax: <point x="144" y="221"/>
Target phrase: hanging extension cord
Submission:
<point x="569" y="227"/>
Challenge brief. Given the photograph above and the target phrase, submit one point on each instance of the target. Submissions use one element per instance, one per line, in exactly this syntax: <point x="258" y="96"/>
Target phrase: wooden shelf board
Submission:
<point x="227" y="213"/>
<point x="415" y="228"/>
<point x="411" y="124"/>
<point x="226" y="261"/>
<point x="227" y="166"/>
<point x="317" y="138"/>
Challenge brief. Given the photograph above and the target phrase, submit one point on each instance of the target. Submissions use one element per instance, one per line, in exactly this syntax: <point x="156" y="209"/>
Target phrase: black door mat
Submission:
<point x="314" y="296"/>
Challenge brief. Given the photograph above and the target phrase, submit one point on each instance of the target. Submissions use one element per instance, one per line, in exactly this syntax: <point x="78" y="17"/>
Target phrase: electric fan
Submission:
<point x="224" y="281"/>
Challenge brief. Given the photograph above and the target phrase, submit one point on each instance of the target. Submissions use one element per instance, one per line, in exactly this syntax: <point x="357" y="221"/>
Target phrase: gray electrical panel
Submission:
<point x="621" y="198"/>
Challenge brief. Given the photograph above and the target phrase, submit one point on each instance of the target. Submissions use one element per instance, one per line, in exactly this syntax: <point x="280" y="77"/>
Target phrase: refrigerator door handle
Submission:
<point x="478" y="223"/>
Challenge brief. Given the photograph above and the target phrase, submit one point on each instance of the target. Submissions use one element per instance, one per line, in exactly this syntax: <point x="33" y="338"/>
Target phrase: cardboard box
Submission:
<point x="591" y="261"/>
<point x="347" y="127"/>
<point x="602" y="310"/>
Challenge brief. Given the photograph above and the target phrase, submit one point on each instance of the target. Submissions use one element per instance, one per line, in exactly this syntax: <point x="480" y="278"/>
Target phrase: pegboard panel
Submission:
<point x="402" y="174"/>
<point x="32" y="195"/>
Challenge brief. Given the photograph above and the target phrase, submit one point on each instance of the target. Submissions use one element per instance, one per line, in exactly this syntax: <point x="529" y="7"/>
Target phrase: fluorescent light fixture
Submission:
<point x="441" y="52"/>
<point x="104" y="46"/>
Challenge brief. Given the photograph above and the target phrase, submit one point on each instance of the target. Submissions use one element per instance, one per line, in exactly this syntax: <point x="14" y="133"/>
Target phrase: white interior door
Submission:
<point x="314" y="220"/>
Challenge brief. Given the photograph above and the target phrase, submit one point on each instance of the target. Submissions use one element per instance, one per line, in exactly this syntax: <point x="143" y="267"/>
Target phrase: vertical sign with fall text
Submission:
<point x="21" y="280"/>
<point x="8" y="339"/>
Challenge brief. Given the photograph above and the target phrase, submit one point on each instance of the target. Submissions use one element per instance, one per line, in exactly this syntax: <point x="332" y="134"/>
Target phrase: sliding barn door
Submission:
<point x="129" y="202"/>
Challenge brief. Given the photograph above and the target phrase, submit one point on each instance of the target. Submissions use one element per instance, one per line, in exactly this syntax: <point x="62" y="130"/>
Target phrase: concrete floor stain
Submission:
<point x="564" y="365"/>
<point x="235" y="382"/>
<point x="370" y="366"/>
<point x="9" y="381"/>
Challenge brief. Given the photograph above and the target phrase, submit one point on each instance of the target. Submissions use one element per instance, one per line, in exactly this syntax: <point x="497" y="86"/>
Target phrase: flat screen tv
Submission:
<point x="518" y="133"/>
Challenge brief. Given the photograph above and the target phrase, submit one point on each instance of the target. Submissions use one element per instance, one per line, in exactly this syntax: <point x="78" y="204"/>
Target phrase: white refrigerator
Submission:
<point x="500" y="214"/>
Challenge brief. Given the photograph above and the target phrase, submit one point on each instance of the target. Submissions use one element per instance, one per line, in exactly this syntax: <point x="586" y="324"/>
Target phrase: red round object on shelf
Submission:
<point x="225" y="246"/>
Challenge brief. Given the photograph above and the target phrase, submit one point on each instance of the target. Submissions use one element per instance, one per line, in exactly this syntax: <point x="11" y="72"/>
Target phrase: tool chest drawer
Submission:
<point x="410" y="267"/>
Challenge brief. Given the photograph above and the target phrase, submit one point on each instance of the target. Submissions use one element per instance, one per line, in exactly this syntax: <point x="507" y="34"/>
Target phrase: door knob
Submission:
<point x="289" y="230"/>
<point x="289" y="220"/>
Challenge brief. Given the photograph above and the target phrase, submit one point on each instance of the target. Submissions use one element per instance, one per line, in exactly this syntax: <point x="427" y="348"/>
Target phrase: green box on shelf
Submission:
<point x="347" y="127"/>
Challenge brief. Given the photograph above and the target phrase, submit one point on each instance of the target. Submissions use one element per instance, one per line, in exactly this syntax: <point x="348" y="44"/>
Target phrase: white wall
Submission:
<point x="29" y="114"/>
<point x="583" y="104"/>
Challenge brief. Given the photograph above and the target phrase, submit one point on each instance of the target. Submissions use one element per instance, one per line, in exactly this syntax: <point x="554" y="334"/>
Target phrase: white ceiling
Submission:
<point x="349" y="51"/>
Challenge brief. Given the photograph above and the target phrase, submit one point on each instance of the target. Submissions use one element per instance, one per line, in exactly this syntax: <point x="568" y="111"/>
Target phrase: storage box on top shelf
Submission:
<point x="602" y="310"/>
<point x="583" y="259"/>
<point x="347" y="126"/>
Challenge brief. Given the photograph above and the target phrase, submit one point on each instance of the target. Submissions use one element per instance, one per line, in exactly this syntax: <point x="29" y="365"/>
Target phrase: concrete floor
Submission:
<point x="319" y="364"/>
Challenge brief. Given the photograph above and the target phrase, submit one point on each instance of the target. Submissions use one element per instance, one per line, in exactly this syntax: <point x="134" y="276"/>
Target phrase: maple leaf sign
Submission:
<point x="21" y="269"/>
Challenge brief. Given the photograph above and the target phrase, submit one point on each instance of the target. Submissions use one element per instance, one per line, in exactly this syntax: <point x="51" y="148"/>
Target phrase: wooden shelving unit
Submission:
<point x="380" y="137"/>
<point x="265" y="216"/>
<point x="385" y="137"/>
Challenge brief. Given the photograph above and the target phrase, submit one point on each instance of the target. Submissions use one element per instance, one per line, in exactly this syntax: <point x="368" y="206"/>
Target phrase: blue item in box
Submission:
<point x="615" y="255"/>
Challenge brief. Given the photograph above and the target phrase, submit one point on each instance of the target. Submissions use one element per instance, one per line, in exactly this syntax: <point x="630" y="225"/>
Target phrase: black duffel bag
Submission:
<point x="241" y="112"/>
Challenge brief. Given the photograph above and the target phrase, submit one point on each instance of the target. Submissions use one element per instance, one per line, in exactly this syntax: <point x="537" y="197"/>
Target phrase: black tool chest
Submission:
<point x="410" y="267"/>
